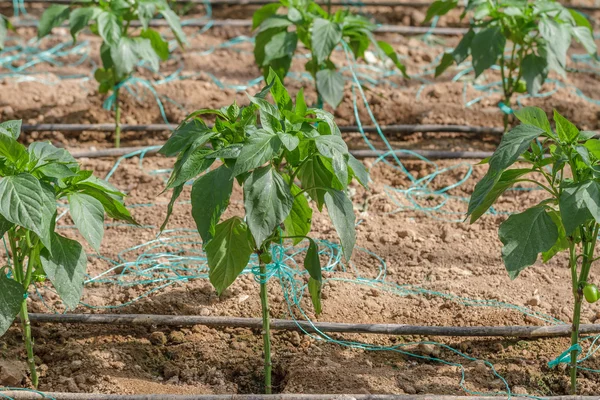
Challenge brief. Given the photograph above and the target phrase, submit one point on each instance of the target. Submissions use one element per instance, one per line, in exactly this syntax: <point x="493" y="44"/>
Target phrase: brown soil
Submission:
<point x="443" y="260"/>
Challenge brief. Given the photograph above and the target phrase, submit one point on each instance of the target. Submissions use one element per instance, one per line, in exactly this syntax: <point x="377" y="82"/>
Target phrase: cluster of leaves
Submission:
<point x="320" y="32"/>
<point x="32" y="181"/>
<point x="541" y="32"/>
<point x="296" y="154"/>
<point x="121" y="48"/>
<point x="568" y="219"/>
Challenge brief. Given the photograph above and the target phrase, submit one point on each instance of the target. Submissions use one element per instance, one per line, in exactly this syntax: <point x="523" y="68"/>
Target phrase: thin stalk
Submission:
<point x="28" y="342"/>
<point x="117" y="120"/>
<point x="266" y="331"/>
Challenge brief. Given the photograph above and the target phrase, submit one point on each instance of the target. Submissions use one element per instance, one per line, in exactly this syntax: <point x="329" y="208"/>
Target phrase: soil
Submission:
<point x="431" y="263"/>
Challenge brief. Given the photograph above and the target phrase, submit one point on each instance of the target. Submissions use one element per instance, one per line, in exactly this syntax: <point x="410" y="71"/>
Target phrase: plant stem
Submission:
<point x="117" y="120"/>
<point x="28" y="343"/>
<point x="266" y="332"/>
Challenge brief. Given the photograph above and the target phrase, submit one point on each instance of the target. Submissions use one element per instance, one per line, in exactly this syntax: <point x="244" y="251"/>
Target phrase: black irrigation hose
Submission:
<point x="429" y="154"/>
<point x="383" y="3"/>
<point x="290" y="325"/>
<point x="29" y="395"/>
<point x="346" y="129"/>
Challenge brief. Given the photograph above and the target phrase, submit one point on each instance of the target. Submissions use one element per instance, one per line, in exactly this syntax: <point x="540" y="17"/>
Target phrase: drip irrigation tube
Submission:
<point x="383" y="3"/>
<point x="403" y="154"/>
<point x="23" y="395"/>
<point x="291" y="325"/>
<point x="346" y="129"/>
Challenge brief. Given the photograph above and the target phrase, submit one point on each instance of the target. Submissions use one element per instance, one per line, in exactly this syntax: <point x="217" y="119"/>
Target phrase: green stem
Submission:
<point x="117" y="120"/>
<point x="575" y="340"/>
<point x="28" y="343"/>
<point x="266" y="332"/>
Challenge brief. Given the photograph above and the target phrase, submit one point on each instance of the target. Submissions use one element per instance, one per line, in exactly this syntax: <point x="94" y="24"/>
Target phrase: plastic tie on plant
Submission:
<point x="565" y="356"/>
<point x="505" y="108"/>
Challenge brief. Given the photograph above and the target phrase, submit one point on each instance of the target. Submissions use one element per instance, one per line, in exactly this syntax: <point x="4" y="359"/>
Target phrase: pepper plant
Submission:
<point x="123" y="45"/>
<point x="540" y="33"/>
<point x="32" y="181"/>
<point x="320" y="32"/>
<point x="296" y="155"/>
<point x="565" y="164"/>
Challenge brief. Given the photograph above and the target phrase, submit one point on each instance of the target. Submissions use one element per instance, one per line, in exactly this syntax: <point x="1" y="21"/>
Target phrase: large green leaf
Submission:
<point x="12" y="150"/>
<point x="314" y="176"/>
<point x="579" y="203"/>
<point x="359" y="170"/>
<point x="109" y="29"/>
<point x="565" y="129"/>
<point x="267" y="200"/>
<point x="189" y="165"/>
<point x="514" y="143"/>
<point x="341" y="213"/>
<point x="88" y="215"/>
<point x="228" y="252"/>
<point x="11" y="297"/>
<point x="534" y="116"/>
<point x="282" y="44"/>
<point x="210" y="198"/>
<point x="439" y="8"/>
<point x="175" y="25"/>
<point x="143" y="49"/>
<point x="80" y="18"/>
<point x="65" y="268"/>
<point x="487" y="45"/>
<point x="299" y="220"/>
<point x="463" y="49"/>
<point x="558" y="40"/>
<point x="330" y="84"/>
<point x="160" y="46"/>
<point x="113" y="205"/>
<point x="262" y="146"/>
<point x="13" y="127"/>
<point x="524" y="236"/>
<point x="279" y="92"/>
<point x="487" y="190"/>
<point x="124" y="56"/>
<point x="325" y="36"/>
<point x="184" y="135"/>
<point x="534" y="70"/>
<point x="263" y="13"/>
<point x="24" y="201"/>
<point x="54" y="15"/>
<point x="562" y="243"/>
<point x="388" y="50"/>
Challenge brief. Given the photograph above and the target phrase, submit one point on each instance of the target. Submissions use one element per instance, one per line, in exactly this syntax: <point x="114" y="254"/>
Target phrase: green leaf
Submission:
<point x="524" y="236"/>
<point x="276" y="22"/>
<point x="488" y="44"/>
<point x="579" y="203"/>
<point x="359" y="170"/>
<point x="586" y="38"/>
<point x="558" y="40"/>
<point x="388" y="50"/>
<point x="88" y="216"/>
<point x="325" y="36"/>
<point x="261" y="147"/>
<point x="189" y="165"/>
<point x="534" y="70"/>
<point x="109" y="29"/>
<point x="13" y="127"/>
<point x="299" y="220"/>
<point x="54" y="15"/>
<point x="439" y="8"/>
<point x="183" y="136"/>
<point x="289" y="141"/>
<point x="534" y="116"/>
<point x="312" y="263"/>
<point x="5" y="25"/>
<point x="23" y="201"/>
<point x="12" y="150"/>
<point x="267" y="200"/>
<point x="301" y="108"/>
<point x="11" y="297"/>
<point x="228" y="252"/>
<point x="65" y="268"/>
<point x="562" y="242"/>
<point x="566" y="130"/>
<point x="314" y="175"/>
<point x="281" y="45"/>
<point x="580" y="19"/>
<point x="5" y="225"/>
<point x="279" y="92"/>
<point x="263" y="13"/>
<point x="124" y="56"/>
<point x="490" y="188"/>
<point x="330" y="84"/>
<point x="112" y="206"/>
<point x="514" y="143"/>
<point x="80" y="18"/>
<point x="328" y="119"/>
<point x="210" y="198"/>
<point x="445" y="63"/>
<point x="463" y="49"/>
<point x="330" y="145"/>
<point x="176" y="193"/>
<point x="593" y="146"/>
<point x="160" y="46"/>
<point x="175" y="25"/>
<point x="341" y="213"/>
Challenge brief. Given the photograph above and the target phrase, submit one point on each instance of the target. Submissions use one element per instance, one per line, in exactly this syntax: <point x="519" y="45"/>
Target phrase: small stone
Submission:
<point x="295" y="338"/>
<point x="408" y="388"/>
<point x="176" y="337"/>
<point x="534" y="301"/>
<point x="429" y="349"/>
<point x="11" y="373"/>
<point x="8" y="111"/>
<point x="205" y="312"/>
<point x="406" y="233"/>
<point x="158" y="338"/>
